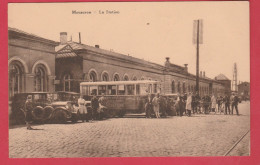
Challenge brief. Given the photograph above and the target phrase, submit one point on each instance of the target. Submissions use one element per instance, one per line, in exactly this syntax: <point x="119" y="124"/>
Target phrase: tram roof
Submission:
<point x="118" y="82"/>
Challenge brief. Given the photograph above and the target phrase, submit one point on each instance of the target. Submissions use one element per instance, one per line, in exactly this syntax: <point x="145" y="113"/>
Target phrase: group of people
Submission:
<point x="191" y="103"/>
<point x="155" y="105"/>
<point x="97" y="110"/>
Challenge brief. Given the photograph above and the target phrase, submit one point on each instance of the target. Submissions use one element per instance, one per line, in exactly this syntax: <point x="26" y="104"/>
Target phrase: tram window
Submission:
<point x="93" y="90"/>
<point x="101" y="89"/>
<point x="143" y="89"/>
<point x="121" y="90"/>
<point x="111" y="89"/>
<point x="130" y="89"/>
<point x="85" y="90"/>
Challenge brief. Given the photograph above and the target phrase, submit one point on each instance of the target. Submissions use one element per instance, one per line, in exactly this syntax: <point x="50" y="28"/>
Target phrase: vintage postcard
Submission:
<point x="128" y="79"/>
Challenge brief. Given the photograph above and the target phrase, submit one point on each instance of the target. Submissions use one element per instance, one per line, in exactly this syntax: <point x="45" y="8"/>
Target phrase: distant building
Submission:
<point x="76" y="62"/>
<point x="226" y="83"/>
<point x="31" y="63"/>
<point x="244" y="90"/>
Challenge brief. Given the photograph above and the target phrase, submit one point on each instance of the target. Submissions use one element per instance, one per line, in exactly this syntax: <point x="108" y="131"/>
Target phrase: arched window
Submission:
<point x="126" y="78"/>
<point x="183" y="87"/>
<point x="16" y="73"/>
<point x="67" y="82"/>
<point x="173" y="86"/>
<point x="105" y="77"/>
<point x="116" y="77"/>
<point x="134" y="78"/>
<point x="40" y="78"/>
<point x="179" y="87"/>
<point x="92" y="76"/>
<point x="142" y="78"/>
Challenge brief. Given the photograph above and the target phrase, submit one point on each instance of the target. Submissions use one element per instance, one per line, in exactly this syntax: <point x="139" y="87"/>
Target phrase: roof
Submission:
<point x="118" y="82"/>
<point x="32" y="36"/>
<point x="78" y="46"/>
<point x="221" y="77"/>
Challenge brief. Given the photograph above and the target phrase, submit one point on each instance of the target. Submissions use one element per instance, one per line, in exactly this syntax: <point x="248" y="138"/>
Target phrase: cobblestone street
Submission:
<point x="200" y="135"/>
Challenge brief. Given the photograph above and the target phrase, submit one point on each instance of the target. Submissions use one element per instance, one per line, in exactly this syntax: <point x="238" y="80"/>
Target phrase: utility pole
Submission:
<point x="197" y="39"/>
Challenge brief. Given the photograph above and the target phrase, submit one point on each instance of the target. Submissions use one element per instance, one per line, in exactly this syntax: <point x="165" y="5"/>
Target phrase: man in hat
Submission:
<point x="234" y="103"/>
<point x="156" y="105"/>
<point x="188" y="104"/>
<point x="28" y="112"/>
<point x="94" y="106"/>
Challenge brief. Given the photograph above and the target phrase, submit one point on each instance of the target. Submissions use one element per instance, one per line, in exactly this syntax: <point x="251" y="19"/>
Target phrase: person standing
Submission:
<point x="234" y="104"/>
<point x="82" y="109"/>
<point x="156" y="105"/>
<point x="148" y="106"/>
<point x="163" y="106"/>
<point x="102" y="106"/>
<point x="227" y="104"/>
<point x="188" y="104"/>
<point x="28" y="112"/>
<point x="94" y="106"/>
<point x="213" y="103"/>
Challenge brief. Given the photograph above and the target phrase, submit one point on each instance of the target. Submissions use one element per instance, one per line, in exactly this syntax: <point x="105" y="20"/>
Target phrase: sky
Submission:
<point x="149" y="30"/>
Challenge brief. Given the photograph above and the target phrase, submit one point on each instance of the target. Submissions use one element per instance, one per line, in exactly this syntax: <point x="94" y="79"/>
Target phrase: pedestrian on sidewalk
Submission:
<point x="156" y="105"/>
<point x="188" y="104"/>
<point x="28" y="112"/>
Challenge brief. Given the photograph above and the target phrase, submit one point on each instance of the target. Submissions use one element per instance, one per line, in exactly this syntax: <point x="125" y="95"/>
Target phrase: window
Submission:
<point x="93" y="90"/>
<point x="84" y="90"/>
<point x="134" y="78"/>
<point x="116" y="77"/>
<point x="111" y="89"/>
<point x="105" y="77"/>
<point x="121" y="89"/>
<point x="67" y="82"/>
<point x="15" y="78"/>
<point x="173" y="86"/>
<point x="130" y="89"/>
<point x="154" y="88"/>
<point x="179" y="87"/>
<point x="183" y="87"/>
<point x="40" y="78"/>
<point x="101" y="89"/>
<point x="126" y="78"/>
<point x="93" y="76"/>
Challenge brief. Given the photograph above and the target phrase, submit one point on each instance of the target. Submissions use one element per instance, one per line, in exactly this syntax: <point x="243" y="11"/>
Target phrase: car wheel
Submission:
<point x="60" y="117"/>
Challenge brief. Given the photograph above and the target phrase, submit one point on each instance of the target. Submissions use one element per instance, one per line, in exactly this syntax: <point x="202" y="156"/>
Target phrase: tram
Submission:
<point x="121" y="96"/>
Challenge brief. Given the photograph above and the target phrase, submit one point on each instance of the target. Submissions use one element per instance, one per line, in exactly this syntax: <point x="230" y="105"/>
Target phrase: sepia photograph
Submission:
<point x="128" y="79"/>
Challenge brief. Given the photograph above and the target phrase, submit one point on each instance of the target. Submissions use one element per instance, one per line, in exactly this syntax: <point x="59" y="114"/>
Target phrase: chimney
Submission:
<point x="79" y="38"/>
<point x="63" y="38"/>
<point x="200" y="73"/>
<point x="204" y="74"/>
<point x="167" y="62"/>
<point x="186" y="67"/>
<point x="96" y="46"/>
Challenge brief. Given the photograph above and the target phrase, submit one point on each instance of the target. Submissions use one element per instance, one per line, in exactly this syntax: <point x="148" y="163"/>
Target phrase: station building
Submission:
<point x="77" y="62"/>
<point x="31" y="63"/>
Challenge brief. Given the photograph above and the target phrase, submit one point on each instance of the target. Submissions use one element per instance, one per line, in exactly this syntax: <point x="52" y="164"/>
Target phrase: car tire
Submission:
<point x="59" y="117"/>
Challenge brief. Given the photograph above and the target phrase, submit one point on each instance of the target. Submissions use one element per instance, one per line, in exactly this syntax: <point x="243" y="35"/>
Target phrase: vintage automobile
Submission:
<point x="170" y="103"/>
<point x="48" y="107"/>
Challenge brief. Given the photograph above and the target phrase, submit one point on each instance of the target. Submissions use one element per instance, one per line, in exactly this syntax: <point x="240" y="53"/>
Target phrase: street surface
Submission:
<point x="199" y="135"/>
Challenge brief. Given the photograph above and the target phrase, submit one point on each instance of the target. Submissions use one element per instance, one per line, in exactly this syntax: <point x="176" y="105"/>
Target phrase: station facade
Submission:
<point x="77" y="62"/>
<point x="31" y="63"/>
